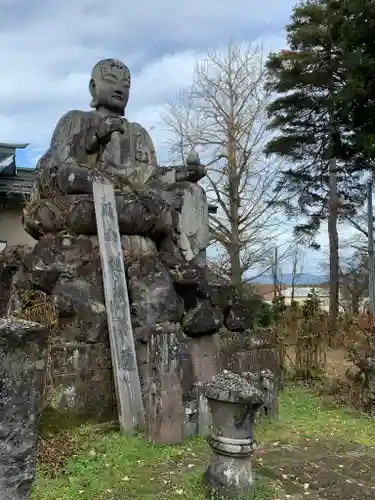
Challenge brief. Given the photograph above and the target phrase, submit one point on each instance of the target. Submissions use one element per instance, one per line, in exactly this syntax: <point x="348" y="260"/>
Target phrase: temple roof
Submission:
<point x="8" y="145"/>
<point x="19" y="184"/>
<point x="8" y="165"/>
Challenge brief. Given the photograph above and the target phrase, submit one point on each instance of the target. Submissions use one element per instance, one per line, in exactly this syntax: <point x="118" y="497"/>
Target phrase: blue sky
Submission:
<point x="47" y="50"/>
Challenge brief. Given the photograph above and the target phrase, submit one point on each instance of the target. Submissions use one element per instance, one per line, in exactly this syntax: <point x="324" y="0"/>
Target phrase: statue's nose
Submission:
<point x="119" y="92"/>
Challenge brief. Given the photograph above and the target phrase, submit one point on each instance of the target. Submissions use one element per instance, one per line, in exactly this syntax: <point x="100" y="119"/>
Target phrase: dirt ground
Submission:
<point x="320" y="470"/>
<point x="337" y="364"/>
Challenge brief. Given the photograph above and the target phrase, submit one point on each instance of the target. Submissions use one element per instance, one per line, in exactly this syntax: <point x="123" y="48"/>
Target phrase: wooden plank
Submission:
<point x="124" y="360"/>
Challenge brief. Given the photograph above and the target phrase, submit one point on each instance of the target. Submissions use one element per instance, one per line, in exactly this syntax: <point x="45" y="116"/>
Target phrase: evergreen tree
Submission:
<point x="358" y="95"/>
<point x="309" y="79"/>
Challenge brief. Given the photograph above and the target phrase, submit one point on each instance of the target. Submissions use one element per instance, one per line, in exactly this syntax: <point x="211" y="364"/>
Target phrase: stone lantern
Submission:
<point x="234" y="402"/>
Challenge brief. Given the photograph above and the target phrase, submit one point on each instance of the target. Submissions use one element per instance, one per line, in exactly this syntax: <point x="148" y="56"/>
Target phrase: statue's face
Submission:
<point x="111" y="88"/>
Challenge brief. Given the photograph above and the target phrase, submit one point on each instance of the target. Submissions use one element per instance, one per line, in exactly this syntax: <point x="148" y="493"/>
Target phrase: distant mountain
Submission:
<point x="287" y="279"/>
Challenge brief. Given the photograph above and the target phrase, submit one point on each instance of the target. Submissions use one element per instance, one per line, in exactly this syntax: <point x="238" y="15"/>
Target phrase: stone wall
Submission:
<point x="252" y="350"/>
<point x="257" y="354"/>
<point x="62" y="275"/>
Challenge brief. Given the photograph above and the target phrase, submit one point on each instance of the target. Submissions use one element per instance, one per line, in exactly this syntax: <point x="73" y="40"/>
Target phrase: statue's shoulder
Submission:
<point x="141" y="132"/>
<point x="137" y="127"/>
<point x="76" y="116"/>
<point x="73" y="123"/>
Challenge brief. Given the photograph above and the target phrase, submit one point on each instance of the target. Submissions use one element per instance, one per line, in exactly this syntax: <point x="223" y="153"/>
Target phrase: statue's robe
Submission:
<point x="130" y="156"/>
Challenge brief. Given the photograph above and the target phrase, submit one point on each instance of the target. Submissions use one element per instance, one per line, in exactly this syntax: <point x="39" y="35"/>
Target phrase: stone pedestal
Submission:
<point x="164" y="408"/>
<point x="23" y="348"/>
<point x="368" y="367"/>
<point x="267" y="383"/>
<point x="204" y="359"/>
<point x="234" y="402"/>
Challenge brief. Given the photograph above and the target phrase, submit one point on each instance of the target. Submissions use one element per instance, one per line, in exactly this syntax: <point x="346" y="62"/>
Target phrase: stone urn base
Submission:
<point x="229" y="477"/>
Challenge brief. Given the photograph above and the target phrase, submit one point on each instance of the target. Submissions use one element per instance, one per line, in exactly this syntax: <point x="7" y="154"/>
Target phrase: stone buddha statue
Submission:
<point x="163" y="223"/>
<point x="164" y="203"/>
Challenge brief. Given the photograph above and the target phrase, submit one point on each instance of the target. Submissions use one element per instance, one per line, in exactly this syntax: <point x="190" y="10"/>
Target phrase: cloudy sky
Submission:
<point x="47" y="50"/>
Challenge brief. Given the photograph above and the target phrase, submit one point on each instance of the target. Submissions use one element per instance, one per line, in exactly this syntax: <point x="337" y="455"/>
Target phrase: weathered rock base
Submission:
<point x="62" y="275"/>
<point x="63" y="272"/>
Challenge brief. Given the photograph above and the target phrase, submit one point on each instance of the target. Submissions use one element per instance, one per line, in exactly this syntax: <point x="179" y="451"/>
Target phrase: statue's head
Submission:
<point x="110" y="85"/>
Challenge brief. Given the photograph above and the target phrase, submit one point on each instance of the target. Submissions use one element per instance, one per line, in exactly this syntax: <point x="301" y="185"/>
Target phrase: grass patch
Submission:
<point x="108" y="465"/>
<point x="305" y="415"/>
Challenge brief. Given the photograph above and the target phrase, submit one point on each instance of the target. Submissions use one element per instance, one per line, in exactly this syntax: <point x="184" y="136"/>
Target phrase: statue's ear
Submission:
<point x="92" y="89"/>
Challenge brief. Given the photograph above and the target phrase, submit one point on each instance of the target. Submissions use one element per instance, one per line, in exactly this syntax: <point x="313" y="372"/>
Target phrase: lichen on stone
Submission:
<point x="234" y="386"/>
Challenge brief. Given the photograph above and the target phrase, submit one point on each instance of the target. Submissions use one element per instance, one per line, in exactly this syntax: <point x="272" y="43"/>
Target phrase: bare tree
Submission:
<point x="354" y="282"/>
<point x="223" y="116"/>
<point x="297" y="268"/>
<point x="358" y="223"/>
<point x="353" y="269"/>
<point x="276" y="274"/>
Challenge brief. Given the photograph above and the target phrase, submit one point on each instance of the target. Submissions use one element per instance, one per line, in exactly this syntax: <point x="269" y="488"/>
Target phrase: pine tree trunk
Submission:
<point x="333" y="248"/>
<point x="333" y="198"/>
<point x="276" y="292"/>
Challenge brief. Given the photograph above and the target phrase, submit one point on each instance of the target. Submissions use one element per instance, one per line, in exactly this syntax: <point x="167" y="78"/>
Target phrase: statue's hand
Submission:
<point x="107" y="127"/>
<point x="200" y="172"/>
<point x="102" y="135"/>
<point x="191" y="174"/>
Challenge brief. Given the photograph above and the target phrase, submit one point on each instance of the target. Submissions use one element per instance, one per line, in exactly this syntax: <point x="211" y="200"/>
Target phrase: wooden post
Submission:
<point x="124" y="360"/>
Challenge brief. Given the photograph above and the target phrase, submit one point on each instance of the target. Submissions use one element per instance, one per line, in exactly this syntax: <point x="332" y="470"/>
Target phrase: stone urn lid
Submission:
<point x="267" y="373"/>
<point x="232" y="388"/>
<point x="257" y="376"/>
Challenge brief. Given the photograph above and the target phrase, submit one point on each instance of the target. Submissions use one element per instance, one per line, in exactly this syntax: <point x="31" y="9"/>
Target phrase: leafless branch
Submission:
<point x="223" y="116"/>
